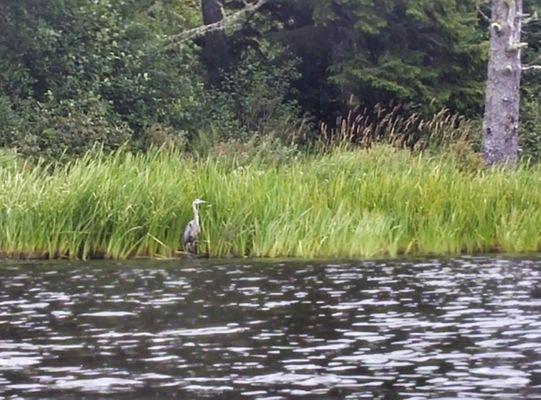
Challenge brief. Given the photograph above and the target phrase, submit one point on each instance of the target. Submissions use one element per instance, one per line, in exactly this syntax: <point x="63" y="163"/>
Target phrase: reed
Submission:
<point x="341" y="204"/>
<point x="391" y="125"/>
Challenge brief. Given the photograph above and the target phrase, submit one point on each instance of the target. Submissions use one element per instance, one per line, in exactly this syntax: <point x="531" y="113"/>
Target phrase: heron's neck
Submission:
<point x="195" y="214"/>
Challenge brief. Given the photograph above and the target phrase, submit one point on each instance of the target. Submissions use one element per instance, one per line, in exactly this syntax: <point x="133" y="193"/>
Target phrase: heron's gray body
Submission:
<point x="192" y="230"/>
<point x="189" y="239"/>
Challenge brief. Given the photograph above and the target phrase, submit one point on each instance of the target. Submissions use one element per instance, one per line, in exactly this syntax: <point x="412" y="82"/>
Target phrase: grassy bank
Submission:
<point x="342" y="204"/>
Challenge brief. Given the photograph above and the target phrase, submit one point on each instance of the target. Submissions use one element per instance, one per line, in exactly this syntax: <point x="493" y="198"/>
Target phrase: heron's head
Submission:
<point x="198" y="202"/>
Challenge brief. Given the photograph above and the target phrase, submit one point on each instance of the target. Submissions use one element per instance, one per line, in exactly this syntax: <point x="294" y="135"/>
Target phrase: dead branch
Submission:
<point x="482" y="14"/>
<point x="231" y="20"/>
<point x="529" y="18"/>
<point x="531" y="68"/>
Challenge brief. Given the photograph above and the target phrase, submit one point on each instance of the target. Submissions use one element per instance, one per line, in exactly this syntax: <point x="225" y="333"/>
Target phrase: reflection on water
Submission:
<point x="467" y="328"/>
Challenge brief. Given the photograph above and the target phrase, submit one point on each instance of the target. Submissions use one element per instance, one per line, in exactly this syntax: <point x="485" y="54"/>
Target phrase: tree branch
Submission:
<point x="483" y="15"/>
<point x="230" y="20"/>
<point x="531" y="68"/>
<point x="528" y="18"/>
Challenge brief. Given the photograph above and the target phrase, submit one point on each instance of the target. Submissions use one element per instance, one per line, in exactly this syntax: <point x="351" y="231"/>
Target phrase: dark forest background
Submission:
<point x="74" y="73"/>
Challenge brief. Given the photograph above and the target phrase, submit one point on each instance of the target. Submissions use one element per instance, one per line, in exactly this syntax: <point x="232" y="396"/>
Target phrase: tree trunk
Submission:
<point x="500" y="125"/>
<point x="215" y="47"/>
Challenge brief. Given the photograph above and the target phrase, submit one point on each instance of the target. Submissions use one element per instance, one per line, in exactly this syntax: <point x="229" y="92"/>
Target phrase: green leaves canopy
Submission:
<point x="70" y="59"/>
<point x="427" y="53"/>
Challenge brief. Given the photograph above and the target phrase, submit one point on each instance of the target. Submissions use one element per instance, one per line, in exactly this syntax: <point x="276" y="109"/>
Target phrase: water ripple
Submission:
<point x="465" y="328"/>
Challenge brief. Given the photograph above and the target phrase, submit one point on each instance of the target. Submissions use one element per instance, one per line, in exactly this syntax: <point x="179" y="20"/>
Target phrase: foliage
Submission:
<point x="80" y="63"/>
<point x="367" y="203"/>
<point x="54" y="129"/>
<point x="78" y="73"/>
<point x="10" y="161"/>
<point x="257" y="149"/>
<point x="530" y="127"/>
<point x="429" y="54"/>
<point x="253" y="99"/>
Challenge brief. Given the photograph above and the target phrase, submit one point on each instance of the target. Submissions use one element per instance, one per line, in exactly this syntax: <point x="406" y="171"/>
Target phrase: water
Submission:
<point x="468" y="328"/>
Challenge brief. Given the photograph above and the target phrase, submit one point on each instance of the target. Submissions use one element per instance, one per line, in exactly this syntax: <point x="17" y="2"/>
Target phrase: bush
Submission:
<point x="78" y="73"/>
<point x="256" y="99"/>
<point x="66" y="127"/>
<point x="530" y="127"/>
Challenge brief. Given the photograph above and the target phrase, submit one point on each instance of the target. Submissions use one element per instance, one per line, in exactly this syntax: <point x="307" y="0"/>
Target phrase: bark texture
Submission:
<point x="215" y="48"/>
<point x="500" y="125"/>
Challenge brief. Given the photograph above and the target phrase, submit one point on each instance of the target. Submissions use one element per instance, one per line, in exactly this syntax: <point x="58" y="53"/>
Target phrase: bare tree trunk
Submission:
<point x="500" y="125"/>
<point x="215" y="48"/>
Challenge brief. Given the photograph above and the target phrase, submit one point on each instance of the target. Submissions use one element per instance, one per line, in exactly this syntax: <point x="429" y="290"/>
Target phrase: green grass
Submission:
<point x="346" y="204"/>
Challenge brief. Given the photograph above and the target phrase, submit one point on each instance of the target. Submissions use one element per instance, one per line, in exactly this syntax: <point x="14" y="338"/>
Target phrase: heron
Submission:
<point x="192" y="230"/>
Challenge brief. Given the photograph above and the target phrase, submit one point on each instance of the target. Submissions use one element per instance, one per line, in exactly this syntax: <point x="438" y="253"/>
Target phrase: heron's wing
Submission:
<point x="189" y="233"/>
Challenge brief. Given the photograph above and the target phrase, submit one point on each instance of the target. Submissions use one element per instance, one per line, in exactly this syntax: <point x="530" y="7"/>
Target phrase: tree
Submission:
<point x="223" y="20"/>
<point x="502" y="107"/>
<point x="79" y="72"/>
<point x="503" y="94"/>
<point x="215" y="48"/>
<point x="428" y="54"/>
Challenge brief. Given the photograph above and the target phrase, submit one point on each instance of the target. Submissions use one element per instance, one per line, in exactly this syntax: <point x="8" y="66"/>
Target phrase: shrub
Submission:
<point x="530" y="127"/>
<point x="66" y="127"/>
<point x="256" y="99"/>
<point x="81" y="72"/>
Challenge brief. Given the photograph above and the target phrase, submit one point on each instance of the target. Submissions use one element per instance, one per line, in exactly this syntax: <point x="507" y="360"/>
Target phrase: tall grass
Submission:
<point x="392" y="126"/>
<point x="346" y="203"/>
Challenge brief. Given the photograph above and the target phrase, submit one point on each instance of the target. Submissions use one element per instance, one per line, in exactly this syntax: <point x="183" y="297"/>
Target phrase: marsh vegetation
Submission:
<point x="342" y="203"/>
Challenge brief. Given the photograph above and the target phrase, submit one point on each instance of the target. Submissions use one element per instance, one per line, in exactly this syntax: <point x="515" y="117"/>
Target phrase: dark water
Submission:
<point x="467" y="328"/>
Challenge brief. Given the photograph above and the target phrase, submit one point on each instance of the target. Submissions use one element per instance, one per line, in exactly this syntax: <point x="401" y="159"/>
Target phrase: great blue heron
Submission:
<point x="192" y="230"/>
